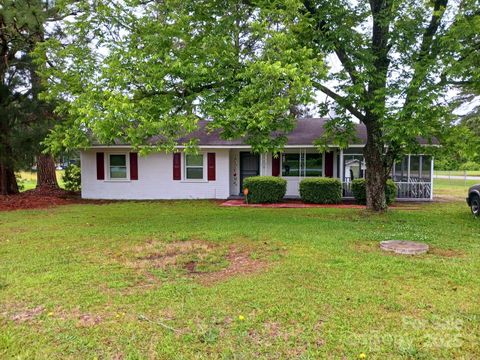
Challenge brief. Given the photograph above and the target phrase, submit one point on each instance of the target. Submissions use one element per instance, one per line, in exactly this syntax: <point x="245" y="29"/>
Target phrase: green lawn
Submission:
<point x="29" y="179"/>
<point x="452" y="189"/>
<point x="190" y="279"/>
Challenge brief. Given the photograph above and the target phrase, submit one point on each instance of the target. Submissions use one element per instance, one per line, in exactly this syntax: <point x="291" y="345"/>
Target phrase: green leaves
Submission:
<point x="136" y="70"/>
<point x="152" y="69"/>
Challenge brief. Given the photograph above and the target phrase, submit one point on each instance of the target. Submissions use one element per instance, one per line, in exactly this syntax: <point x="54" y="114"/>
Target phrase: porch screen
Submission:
<point x="413" y="168"/>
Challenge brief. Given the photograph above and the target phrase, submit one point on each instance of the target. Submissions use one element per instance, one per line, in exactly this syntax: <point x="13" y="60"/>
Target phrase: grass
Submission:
<point x="453" y="189"/>
<point x="29" y="179"/>
<point x="116" y="281"/>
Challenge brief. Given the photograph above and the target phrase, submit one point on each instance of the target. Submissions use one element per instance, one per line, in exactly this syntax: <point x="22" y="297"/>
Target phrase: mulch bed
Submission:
<point x="40" y="198"/>
<point x="291" y="204"/>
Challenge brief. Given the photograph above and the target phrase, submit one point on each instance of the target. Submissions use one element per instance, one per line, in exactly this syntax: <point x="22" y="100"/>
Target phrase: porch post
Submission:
<point x="341" y="166"/>
<point x="263" y="164"/>
<point x="408" y="168"/>
<point x="431" y="177"/>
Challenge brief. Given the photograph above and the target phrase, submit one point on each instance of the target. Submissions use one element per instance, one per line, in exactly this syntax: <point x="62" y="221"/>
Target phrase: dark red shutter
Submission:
<point x="329" y="164"/>
<point x="177" y="169"/>
<point x="133" y="166"/>
<point x="276" y="165"/>
<point x="100" y="166"/>
<point x="211" y="166"/>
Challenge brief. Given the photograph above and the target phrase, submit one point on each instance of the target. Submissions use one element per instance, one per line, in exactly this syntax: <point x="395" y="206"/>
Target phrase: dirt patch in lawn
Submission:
<point x="177" y="254"/>
<point x="204" y="261"/>
<point x="40" y="199"/>
<point x="366" y="247"/>
<point x="80" y="318"/>
<point x="446" y="198"/>
<point x="27" y="314"/>
<point x="240" y="262"/>
<point x="89" y="320"/>
<point x="451" y="253"/>
<point x="20" y="314"/>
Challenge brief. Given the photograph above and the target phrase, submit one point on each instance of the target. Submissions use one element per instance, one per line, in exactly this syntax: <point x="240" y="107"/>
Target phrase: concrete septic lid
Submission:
<point x="404" y="247"/>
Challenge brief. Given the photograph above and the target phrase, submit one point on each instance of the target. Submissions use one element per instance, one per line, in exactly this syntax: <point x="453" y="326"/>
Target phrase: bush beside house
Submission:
<point x="265" y="189"/>
<point x="360" y="192"/>
<point x="71" y="178"/>
<point x="321" y="190"/>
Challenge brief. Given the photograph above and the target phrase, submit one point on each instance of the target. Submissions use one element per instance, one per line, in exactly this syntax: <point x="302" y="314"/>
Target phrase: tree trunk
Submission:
<point x="8" y="181"/>
<point x="375" y="173"/>
<point x="46" y="174"/>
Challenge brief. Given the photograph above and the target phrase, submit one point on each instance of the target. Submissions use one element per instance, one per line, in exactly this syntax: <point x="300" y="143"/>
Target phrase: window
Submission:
<point x="291" y="165"/>
<point x="302" y="165"/>
<point x="118" y="166"/>
<point x="194" y="167"/>
<point x="313" y="165"/>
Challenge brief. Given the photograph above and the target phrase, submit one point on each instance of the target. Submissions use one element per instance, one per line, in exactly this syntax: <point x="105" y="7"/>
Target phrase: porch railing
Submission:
<point x="405" y="190"/>
<point x="414" y="190"/>
<point x="347" y="189"/>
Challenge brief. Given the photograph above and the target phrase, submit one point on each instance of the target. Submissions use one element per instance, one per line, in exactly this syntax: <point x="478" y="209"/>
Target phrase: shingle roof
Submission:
<point x="306" y="132"/>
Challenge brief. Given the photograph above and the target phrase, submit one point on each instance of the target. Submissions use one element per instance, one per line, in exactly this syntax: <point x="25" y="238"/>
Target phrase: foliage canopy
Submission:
<point x="134" y="69"/>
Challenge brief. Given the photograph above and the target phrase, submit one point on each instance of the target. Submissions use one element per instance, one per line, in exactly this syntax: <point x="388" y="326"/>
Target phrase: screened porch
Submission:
<point x="413" y="175"/>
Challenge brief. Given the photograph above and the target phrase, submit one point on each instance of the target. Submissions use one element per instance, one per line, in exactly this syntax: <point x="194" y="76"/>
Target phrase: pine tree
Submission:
<point x="25" y="119"/>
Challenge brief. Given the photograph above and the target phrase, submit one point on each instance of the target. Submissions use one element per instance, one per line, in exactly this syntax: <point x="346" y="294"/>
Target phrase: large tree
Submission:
<point x="137" y="68"/>
<point x="25" y="119"/>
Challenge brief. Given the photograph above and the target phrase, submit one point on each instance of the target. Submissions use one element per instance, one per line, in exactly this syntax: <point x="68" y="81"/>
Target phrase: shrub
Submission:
<point x="470" y="166"/>
<point x="20" y="182"/>
<point x="360" y="192"/>
<point x="265" y="189"/>
<point x="390" y="192"/>
<point x="71" y="178"/>
<point x="321" y="190"/>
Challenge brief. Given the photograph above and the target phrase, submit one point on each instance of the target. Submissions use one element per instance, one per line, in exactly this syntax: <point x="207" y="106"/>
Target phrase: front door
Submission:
<point x="249" y="166"/>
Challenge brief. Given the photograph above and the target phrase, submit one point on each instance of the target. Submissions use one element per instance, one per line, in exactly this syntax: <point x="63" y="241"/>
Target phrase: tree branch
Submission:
<point x="425" y="51"/>
<point x="341" y="100"/>
<point x="339" y="49"/>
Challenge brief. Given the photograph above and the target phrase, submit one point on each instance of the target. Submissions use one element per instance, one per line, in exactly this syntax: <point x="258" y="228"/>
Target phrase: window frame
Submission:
<point x="127" y="166"/>
<point x="302" y="158"/>
<point x="185" y="167"/>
